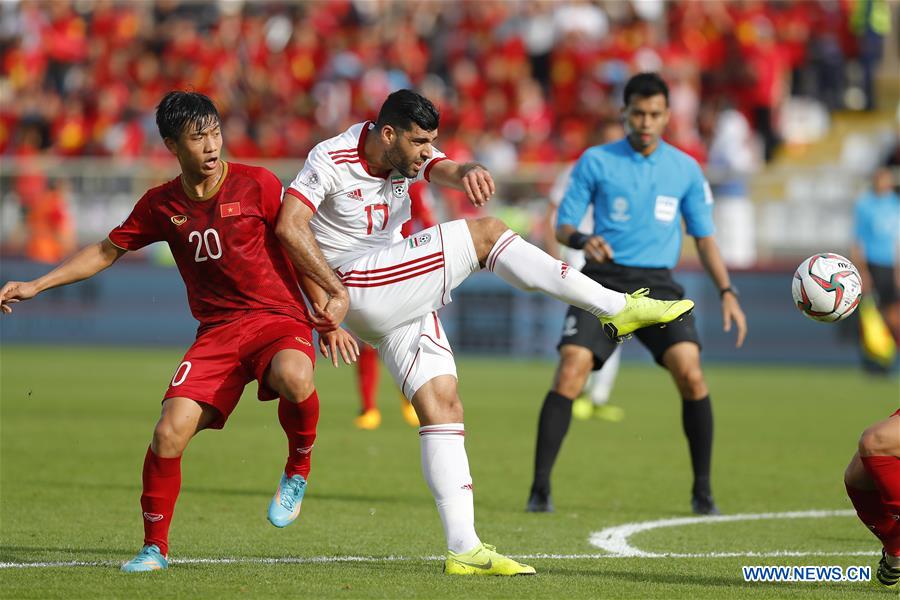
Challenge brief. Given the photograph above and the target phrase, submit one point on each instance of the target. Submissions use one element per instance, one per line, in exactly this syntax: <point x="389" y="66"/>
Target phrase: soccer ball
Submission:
<point x="827" y="287"/>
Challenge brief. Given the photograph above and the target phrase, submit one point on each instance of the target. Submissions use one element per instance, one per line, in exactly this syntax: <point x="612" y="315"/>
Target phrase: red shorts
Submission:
<point x="897" y="412"/>
<point x="224" y="359"/>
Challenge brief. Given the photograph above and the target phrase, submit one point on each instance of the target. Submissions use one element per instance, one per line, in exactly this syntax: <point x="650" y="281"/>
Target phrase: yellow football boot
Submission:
<point x="408" y="412"/>
<point x="483" y="559"/>
<point x="642" y="311"/>
<point x="371" y="419"/>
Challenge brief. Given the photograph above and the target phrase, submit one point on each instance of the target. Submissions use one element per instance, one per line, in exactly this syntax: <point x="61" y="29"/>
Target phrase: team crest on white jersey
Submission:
<point x="310" y="179"/>
<point x="419" y="240"/>
<point x="398" y="186"/>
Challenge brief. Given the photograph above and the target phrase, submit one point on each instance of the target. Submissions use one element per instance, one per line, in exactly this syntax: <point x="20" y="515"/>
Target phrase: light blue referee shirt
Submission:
<point x="878" y="227"/>
<point x="638" y="201"/>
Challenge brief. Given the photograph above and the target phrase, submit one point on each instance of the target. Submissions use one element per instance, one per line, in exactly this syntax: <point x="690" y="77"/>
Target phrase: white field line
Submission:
<point x="614" y="540"/>
<point x="383" y="559"/>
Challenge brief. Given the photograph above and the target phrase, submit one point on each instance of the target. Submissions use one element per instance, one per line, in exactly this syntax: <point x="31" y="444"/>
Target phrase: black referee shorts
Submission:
<point x="884" y="283"/>
<point x="581" y="328"/>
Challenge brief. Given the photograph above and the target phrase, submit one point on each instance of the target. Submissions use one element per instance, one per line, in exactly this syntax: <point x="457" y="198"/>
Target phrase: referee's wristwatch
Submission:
<point x="728" y="290"/>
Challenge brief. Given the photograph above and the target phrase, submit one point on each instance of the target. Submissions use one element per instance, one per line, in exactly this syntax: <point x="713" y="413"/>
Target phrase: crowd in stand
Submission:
<point x="517" y="82"/>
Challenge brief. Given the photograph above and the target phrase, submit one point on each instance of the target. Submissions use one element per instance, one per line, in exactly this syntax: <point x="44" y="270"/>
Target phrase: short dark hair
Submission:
<point x="405" y="107"/>
<point x="179" y="110"/>
<point x="646" y="85"/>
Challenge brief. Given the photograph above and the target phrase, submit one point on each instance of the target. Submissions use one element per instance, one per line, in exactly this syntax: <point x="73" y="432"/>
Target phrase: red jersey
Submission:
<point x="224" y="244"/>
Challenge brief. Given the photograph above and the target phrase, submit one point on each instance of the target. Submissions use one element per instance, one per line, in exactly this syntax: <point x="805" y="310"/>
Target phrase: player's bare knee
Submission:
<point x="452" y="407"/>
<point x="882" y="439"/>
<point x="691" y="383"/>
<point x="297" y="387"/>
<point x="169" y="439"/>
<point x="485" y="232"/>
<point x="571" y="376"/>
<point x="293" y="380"/>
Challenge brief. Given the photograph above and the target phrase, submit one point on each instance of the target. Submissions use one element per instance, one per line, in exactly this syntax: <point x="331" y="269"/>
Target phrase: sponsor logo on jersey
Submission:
<point x="310" y="179"/>
<point x="355" y="195"/>
<point x="230" y="209"/>
<point x="419" y="240"/>
<point x="302" y="341"/>
<point x="569" y="328"/>
<point x="618" y="211"/>
<point x="467" y="486"/>
<point x="153" y="517"/>
<point x="179" y="220"/>
<point x="564" y="270"/>
<point x="398" y="186"/>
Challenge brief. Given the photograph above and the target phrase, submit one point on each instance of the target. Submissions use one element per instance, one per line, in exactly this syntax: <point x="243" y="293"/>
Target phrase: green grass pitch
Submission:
<point x="75" y="422"/>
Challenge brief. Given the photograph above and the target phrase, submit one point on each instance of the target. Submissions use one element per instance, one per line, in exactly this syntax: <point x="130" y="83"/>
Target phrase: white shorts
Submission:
<point x="394" y="295"/>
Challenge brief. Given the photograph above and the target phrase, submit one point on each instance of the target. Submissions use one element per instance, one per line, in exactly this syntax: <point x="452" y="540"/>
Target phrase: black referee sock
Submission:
<point x="697" y="420"/>
<point x="552" y="428"/>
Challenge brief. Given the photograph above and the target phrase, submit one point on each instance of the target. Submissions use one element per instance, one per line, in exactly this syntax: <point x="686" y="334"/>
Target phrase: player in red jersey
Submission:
<point x="221" y="223"/>
<point x="873" y="484"/>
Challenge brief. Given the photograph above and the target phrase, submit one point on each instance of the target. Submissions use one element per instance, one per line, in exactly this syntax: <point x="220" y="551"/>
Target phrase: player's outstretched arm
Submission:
<point x="295" y="235"/>
<point x="472" y="178"/>
<point x="83" y="264"/>
<point x="715" y="267"/>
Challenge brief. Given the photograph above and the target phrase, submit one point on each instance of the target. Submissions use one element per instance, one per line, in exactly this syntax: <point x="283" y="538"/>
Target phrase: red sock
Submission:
<point x="162" y="482"/>
<point x="299" y="423"/>
<point x="367" y="376"/>
<point x="885" y="472"/>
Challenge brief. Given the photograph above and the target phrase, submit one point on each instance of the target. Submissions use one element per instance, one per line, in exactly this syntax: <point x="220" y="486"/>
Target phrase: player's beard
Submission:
<point x="399" y="163"/>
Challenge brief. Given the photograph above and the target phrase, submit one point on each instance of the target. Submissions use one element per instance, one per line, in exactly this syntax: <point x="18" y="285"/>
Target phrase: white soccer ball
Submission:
<point x="827" y="287"/>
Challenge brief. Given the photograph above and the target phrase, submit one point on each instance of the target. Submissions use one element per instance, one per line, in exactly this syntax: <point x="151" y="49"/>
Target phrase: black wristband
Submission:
<point x="724" y="291"/>
<point x="577" y="240"/>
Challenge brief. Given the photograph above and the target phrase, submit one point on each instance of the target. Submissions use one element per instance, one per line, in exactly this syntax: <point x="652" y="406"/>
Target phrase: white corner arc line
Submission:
<point x="614" y="540"/>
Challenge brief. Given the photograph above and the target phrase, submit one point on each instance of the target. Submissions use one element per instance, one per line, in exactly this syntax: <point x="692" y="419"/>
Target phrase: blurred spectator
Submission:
<point x="87" y="73"/>
<point x="50" y="233"/>
<point x="733" y="157"/>
<point x="871" y="22"/>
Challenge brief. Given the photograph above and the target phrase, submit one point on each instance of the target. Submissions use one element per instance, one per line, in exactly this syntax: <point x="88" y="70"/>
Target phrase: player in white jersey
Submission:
<point x="353" y="193"/>
<point x="594" y="398"/>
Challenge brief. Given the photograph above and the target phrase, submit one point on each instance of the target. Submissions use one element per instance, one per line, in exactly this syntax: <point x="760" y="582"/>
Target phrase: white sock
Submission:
<point x="531" y="269"/>
<point x="602" y="381"/>
<point x="446" y="469"/>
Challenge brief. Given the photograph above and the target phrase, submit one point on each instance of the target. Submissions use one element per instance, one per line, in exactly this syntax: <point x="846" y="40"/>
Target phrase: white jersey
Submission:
<point x="355" y="211"/>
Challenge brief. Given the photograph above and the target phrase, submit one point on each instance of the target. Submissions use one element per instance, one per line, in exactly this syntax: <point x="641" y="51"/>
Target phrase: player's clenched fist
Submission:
<point x="15" y="291"/>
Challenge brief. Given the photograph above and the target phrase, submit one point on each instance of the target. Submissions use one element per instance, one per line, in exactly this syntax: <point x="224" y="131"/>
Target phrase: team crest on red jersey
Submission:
<point x="230" y="209"/>
<point x="398" y="186"/>
<point x="178" y="220"/>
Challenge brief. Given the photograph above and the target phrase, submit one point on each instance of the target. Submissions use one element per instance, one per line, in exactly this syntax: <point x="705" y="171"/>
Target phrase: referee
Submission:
<point x="639" y="188"/>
